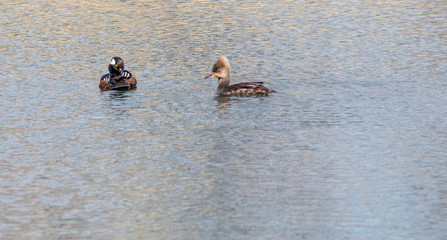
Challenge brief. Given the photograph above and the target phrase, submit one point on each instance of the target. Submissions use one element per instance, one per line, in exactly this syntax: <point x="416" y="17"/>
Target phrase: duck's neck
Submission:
<point x="223" y="84"/>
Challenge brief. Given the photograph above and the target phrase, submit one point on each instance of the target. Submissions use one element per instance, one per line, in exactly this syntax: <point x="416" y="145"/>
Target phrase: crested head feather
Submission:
<point x="116" y="65"/>
<point x="222" y="62"/>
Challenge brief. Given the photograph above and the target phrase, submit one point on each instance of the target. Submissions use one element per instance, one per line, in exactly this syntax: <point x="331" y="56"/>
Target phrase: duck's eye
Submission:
<point x="218" y="71"/>
<point x="116" y="65"/>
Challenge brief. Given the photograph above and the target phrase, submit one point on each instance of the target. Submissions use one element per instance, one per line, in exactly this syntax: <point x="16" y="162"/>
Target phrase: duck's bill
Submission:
<point x="212" y="75"/>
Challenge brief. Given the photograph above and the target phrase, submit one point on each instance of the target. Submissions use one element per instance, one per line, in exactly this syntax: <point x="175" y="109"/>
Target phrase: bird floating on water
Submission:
<point x="221" y="71"/>
<point x="117" y="78"/>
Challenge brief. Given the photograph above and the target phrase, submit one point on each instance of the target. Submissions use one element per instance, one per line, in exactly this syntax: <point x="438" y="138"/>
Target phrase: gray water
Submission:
<point x="353" y="145"/>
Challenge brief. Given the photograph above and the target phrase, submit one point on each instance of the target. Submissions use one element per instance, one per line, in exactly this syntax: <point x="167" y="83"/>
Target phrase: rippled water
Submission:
<point x="352" y="147"/>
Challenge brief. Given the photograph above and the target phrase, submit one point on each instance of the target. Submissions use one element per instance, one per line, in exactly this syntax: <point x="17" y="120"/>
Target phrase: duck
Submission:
<point x="221" y="71"/>
<point x="117" y="78"/>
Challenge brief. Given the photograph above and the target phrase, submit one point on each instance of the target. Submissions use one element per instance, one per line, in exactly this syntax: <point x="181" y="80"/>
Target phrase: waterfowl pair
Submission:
<point x="117" y="78"/>
<point x="221" y="71"/>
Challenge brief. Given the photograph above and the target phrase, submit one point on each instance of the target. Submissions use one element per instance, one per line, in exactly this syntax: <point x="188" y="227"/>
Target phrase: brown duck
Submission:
<point x="221" y="70"/>
<point x="117" y="78"/>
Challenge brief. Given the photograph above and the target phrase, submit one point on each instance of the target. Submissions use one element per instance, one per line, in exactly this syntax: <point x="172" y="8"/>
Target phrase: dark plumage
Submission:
<point x="221" y="70"/>
<point x="117" y="78"/>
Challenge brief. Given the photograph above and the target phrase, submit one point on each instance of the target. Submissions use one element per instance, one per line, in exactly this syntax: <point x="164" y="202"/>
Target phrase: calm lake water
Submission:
<point x="354" y="145"/>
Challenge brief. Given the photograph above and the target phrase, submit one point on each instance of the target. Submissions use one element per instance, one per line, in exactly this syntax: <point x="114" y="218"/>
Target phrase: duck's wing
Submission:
<point x="250" y="86"/>
<point x="247" y="89"/>
<point x="109" y="81"/>
<point x="246" y="85"/>
<point x="125" y="83"/>
<point x="122" y="83"/>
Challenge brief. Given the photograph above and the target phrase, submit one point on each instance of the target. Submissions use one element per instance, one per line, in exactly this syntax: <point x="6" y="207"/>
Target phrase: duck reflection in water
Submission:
<point x="120" y="94"/>
<point x="118" y="101"/>
<point x="224" y="102"/>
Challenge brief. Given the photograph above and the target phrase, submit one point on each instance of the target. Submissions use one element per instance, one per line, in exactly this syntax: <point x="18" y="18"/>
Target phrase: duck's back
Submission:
<point x="248" y="89"/>
<point x="122" y="83"/>
<point x="132" y="82"/>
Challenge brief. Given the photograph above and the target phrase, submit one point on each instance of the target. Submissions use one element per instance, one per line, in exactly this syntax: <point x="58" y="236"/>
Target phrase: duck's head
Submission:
<point x="115" y="65"/>
<point x="221" y="69"/>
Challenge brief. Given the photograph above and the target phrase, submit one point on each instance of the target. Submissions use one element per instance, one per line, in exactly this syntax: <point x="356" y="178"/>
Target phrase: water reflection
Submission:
<point x="118" y="102"/>
<point x="352" y="147"/>
<point x="119" y="94"/>
<point x="223" y="102"/>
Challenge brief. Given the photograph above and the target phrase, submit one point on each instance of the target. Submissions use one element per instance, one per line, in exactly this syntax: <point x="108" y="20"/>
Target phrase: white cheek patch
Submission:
<point x="112" y="62"/>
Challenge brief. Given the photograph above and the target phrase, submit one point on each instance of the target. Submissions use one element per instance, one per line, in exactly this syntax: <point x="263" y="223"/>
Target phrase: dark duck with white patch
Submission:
<point x="118" y="78"/>
<point x="221" y="70"/>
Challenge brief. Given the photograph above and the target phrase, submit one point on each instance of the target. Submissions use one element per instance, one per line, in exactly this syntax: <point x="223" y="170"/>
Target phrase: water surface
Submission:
<point x="352" y="147"/>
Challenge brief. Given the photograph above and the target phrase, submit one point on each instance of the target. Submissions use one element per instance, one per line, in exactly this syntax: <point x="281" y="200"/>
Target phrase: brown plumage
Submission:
<point x="122" y="83"/>
<point x="221" y="70"/>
